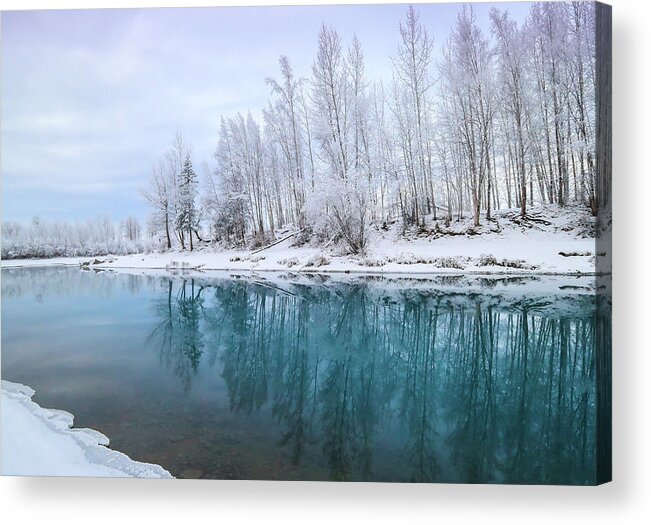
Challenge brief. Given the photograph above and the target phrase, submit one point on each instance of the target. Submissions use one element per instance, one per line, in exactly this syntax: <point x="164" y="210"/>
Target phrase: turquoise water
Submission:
<point x="365" y="380"/>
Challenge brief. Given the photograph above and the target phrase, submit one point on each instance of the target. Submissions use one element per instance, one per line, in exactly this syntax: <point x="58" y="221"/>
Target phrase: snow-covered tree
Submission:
<point x="413" y="114"/>
<point x="131" y="228"/>
<point x="466" y="72"/>
<point x="512" y="66"/>
<point x="160" y="195"/>
<point x="186" y="194"/>
<point x="230" y="203"/>
<point x="287" y="131"/>
<point x="331" y="100"/>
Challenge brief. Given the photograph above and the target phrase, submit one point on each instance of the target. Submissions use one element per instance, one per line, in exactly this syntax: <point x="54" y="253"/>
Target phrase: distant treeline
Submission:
<point x="100" y="236"/>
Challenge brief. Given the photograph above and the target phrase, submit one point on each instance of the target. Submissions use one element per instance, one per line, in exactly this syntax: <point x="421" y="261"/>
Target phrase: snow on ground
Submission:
<point x="41" y="442"/>
<point x="557" y="245"/>
<point x="555" y="241"/>
<point x="33" y="263"/>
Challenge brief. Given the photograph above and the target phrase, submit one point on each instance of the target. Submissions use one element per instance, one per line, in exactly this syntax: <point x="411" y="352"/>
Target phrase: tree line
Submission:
<point x="100" y="236"/>
<point x="496" y="119"/>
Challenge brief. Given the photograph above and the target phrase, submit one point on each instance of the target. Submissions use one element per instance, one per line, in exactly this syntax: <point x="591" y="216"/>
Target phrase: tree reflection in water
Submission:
<point x="178" y="336"/>
<point x="402" y="385"/>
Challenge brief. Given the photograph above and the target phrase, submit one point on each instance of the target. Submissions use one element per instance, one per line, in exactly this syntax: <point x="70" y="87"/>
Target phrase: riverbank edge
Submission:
<point x="50" y="426"/>
<point x="242" y="268"/>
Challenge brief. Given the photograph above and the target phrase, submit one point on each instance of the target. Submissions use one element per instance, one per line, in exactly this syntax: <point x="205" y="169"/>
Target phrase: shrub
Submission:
<point x="372" y="262"/>
<point x="487" y="260"/>
<point x="316" y="261"/>
<point x="291" y="261"/>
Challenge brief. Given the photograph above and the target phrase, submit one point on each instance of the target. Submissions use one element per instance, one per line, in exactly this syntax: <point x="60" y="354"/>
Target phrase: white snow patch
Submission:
<point x="35" y="263"/>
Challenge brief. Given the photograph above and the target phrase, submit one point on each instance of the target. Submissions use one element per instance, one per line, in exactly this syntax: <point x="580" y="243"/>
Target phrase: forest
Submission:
<point x="464" y="125"/>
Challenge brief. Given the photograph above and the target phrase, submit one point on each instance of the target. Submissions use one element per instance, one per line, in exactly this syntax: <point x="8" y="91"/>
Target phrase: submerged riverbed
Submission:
<point x="367" y="379"/>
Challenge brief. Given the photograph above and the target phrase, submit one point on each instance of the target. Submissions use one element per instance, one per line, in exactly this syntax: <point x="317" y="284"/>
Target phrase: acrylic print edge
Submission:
<point x="603" y="241"/>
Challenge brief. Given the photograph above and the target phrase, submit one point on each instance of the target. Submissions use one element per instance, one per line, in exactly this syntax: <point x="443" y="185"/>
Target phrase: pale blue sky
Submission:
<point x="91" y="98"/>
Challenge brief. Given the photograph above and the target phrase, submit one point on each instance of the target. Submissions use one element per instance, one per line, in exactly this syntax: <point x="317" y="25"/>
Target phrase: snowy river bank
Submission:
<point x="559" y="255"/>
<point x="560" y="246"/>
<point x="42" y="442"/>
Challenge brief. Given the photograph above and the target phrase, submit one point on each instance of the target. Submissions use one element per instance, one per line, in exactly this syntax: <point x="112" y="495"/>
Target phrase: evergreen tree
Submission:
<point x="186" y="219"/>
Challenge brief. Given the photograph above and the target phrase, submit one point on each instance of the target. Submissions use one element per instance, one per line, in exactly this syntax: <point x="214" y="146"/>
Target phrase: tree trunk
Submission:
<point x="167" y="232"/>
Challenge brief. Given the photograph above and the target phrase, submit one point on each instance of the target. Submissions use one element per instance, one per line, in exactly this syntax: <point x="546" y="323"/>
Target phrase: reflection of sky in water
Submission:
<point x="227" y="378"/>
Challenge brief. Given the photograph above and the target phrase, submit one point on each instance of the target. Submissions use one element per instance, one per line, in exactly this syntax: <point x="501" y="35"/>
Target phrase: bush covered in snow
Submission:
<point x="316" y="261"/>
<point x="289" y="262"/>
<point x="456" y="263"/>
<point x="337" y="208"/>
<point x="372" y="262"/>
<point x="491" y="260"/>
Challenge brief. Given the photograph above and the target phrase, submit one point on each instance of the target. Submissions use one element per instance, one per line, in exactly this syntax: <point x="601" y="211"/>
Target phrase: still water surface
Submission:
<point x="236" y="378"/>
